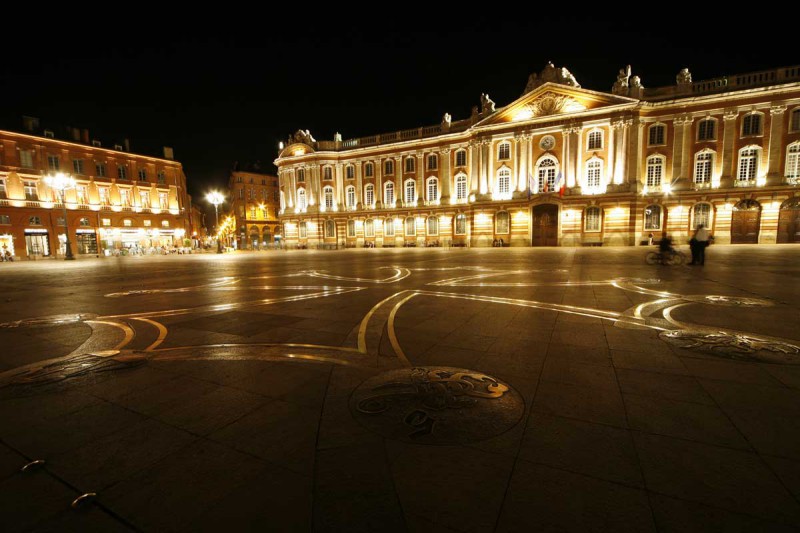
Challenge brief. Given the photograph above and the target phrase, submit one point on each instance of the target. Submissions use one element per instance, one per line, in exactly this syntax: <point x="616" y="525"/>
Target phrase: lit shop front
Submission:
<point x="6" y="244"/>
<point x="140" y="238"/>
<point x="37" y="242"/>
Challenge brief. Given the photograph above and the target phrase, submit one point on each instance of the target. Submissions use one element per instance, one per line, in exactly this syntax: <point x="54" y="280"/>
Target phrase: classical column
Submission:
<point x="359" y="183"/>
<point x="420" y="178"/>
<point x="379" y="182"/>
<point x="688" y="141"/>
<point x="775" y="144"/>
<point x="521" y="149"/>
<point x="570" y="165"/>
<point x="484" y="167"/>
<point x="338" y="193"/>
<point x="681" y="125"/>
<point x="634" y="150"/>
<point x="313" y="192"/>
<point x="398" y="180"/>
<point x="474" y="160"/>
<point x="292" y="190"/>
<point x="728" y="137"/>
<point x="445" y="178"/>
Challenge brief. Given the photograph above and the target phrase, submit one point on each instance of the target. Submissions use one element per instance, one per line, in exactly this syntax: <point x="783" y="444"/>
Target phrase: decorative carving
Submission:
<point x="734" y="345"/>
<point x="446" y="120"/>
<point x="731" y="114"/>
<point x="551" y="104"/>
<point x="621" y="85"/>
<point x="487" y="104"/>
<point x="777" y="110"/>
<point x="684" y="77"/>
<point x="301" y="136"/>
<point x="551" y="74"/>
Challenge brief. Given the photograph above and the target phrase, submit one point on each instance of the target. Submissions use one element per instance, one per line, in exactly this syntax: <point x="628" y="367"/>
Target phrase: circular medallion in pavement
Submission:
<point x="436" y="405"/>
<point x="734" y="345"/>
<point x="47" y="321"/>
<point x="730" y="301"/>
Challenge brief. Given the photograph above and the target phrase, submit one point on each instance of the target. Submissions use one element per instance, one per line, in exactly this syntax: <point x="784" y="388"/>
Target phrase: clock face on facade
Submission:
<point x="547" y="142"/>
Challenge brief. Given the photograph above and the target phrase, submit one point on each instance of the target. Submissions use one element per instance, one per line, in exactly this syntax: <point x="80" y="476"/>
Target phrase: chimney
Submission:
<point x="30" y="123"/>
<point x="74" y="133"/>
<point x="127" y="144"/>
<point x="168" y="153"/>
<point x="85" y="136"/>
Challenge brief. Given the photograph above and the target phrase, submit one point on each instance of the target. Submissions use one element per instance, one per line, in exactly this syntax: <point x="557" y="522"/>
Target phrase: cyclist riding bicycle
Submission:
<point x="665" y="247"/>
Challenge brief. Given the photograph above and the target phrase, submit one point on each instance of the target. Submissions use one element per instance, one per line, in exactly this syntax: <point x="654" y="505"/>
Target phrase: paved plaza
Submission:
<point x="431" y="390"/>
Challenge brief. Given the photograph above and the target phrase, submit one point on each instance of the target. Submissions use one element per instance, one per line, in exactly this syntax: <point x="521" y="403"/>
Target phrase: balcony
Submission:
<point x="744" y="183"/>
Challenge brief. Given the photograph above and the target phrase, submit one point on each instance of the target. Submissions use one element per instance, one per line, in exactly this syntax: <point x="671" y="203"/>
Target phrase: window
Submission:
<point x="105" y="221"/>
<point x="594" y="173"/>
<point x="303" y="230"/>
<point x="142" y="174"/>
<point x="327" y="192"/>
<point x="595" y="140"/>
<point x="147" y="223"/>
<point x="411" y="227"/>
<point x="655" y="170"/>
<point x="388" y="167"/>
<point x="504" y="182"/>
<point x="751" y="124"/>
<point x="369" y="195"/>
<point x="461" y="224"/>
<point x="546" y="173"/>
<point x="369" y="228"/>
<point x="263" y="182"/>
<point x="125" y="197"/>
<point x="501" y="222"/>
<point x="77" y="166"/>
<point x="330" y="228"/>
<point x="35" y="221"/>
<point x="81" y="194"/>
<point x="748" y="163"/>
<point x="302" y="201"/>
<point x="350" y="197"/>
<point x="657" y="135"/>
<point x="702" y="215"/>
<point x="433" y="225"/>
<point x="703" y="163"/>
<point x="461" y="187"/>
<point x="241" y="194"/>
<point x="162" y="177"/>
<point x="122" y="172"/>
<point x="3" y="189"/>
<point x="163" y="200"/>
<point x="388" y="194"/>
<point x="100" y="170"/>
<point x="461" y="158"/>
<point x="591" y="219"/>
<point x="301" y="176"/>
<point x="351" y="228"/>
<point x="52" y="162"/>
<point x="30" y="190"/>
<point x="652" y="217"/>
<point x="369" y="170"/>
<point x="793" y="161"/>
<point x="433" y="162"/>
<point x="388" y="227"/>
<point x="165" y="223"/>
<point x="252" y="212"/>
<point x="103" y="192"/>
<point x="411" y="192"/>
<point x="5" y="219"/>
<point x="706" y="130"/>
<point x="433" y="189"/>
<point x="127" y="223"/>
<point x="504" y="151"/>
<point x="794" y="121"/>
<point x="327" y="173"/>
<point x="144" y="196"/>
<point x="26" y="158"/>
<point x="350" y="172"/>
<point x="251" y="193"/>
<point x="409" y="164"/>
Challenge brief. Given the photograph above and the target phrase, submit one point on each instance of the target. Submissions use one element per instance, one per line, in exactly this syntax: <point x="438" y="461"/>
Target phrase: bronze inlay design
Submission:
<point x="735" y="346"/>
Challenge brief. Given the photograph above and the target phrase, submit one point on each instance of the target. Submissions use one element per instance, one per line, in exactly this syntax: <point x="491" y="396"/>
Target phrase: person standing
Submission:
<point x="698" y="244"/>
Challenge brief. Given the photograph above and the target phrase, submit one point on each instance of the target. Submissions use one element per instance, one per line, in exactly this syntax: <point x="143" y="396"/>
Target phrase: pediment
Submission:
<point x="554" y="99"/>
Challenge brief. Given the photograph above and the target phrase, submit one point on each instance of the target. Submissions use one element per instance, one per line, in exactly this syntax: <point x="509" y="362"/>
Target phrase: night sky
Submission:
<point x="228" y="87"/>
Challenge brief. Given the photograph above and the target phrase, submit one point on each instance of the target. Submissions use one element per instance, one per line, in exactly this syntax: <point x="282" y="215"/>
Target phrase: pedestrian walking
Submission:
<point x="698" y="244"/>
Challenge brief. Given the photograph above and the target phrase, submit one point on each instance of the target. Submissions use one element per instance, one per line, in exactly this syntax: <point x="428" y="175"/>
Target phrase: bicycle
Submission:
<point x="673" y="258"/>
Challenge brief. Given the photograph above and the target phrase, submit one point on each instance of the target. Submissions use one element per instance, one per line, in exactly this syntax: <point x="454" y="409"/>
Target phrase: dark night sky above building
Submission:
<point x="229" y="89"/>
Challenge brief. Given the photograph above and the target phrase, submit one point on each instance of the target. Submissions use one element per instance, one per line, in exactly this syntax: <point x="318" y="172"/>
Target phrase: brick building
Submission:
<point x="255" y="201"/>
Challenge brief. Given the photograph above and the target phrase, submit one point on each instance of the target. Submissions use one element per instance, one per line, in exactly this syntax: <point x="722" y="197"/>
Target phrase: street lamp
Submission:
<point x="62" y="182"/>
<point x="215" y="198"/>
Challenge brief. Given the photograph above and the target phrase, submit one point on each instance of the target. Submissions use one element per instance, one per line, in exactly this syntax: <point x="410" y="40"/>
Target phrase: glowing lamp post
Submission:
<point x="215" y="199"/>
<point x="61" y="182"/>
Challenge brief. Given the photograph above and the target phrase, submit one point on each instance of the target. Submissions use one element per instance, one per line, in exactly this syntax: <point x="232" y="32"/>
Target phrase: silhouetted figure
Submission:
<point x="665" y="247"/>
<point x="698" y="244"/>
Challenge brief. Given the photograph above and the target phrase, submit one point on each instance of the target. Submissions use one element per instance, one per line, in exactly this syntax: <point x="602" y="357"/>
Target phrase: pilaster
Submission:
<point x="445" y="177"/>
<point x="775" y="144"/>
<point x="728" y="137"/>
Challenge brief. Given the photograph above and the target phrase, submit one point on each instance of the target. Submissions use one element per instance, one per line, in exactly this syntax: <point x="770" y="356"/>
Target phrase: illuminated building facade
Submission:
<point x="121" y="201"/>
<point x="254" y="198"/>
<point x="563" y="166"/>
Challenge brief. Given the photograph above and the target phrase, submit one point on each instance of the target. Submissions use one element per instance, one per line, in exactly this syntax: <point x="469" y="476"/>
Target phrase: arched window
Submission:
<point x="369" y="195"/>
<point x="433" y="162"/>
<point x="652" y="217"/>
<point x="302" y="230"/>
<point x="84" y="222"/>
<point x="411" y="227"/>
<point x="656" y="135"/>
<point x="793" y="161"/>
<point x="327" y="195"/>
<point x="502" y="222"/>
<point x="330" y="228"/>
<point x="655" y="170"/>
<point x="751" y="124"/>
<point x="504" y="151"/>
<point x="369" y="228"/>
<point x="388" y="227"/>
<point x="327" y="173"/>
<point x="461" y="158"/>
<point x="302" y="202"/>
<point x="707" y="130"/>
<point x="701" y="214"/>
<point x="504" y="183"/>
<point x="433" y="225"/>
<point x="369" y="170"/>
<point x="595" y="140"/>
<point x="411" y="192"/>
<point x="461" y="187"/>
<point x="748" y="163"/>
<point x="350" y="172"/>
<point x="546" y="174"/>
<point x="410" y="163"/>
<point x="301" y="176"/>
<point x="388" y="194"/>
<point x="592" y="219"/>
<point x="594" y="173"/>
<point x="703" y="164"/>
<point x="794" y="121"/>
<point x="433" y="190"/>
<point x="461" y="224"/>
<point x="388" y="167"/>
<point x="350" y="197"/>
<point x="351" y="228"/>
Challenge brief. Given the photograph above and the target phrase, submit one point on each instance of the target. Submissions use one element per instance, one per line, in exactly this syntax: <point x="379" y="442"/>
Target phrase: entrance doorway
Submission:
<point x="789" y="221"/>
<point x="745" y="222"/>
<point x="37" y="244"/>
<point x="544" y="225"/>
